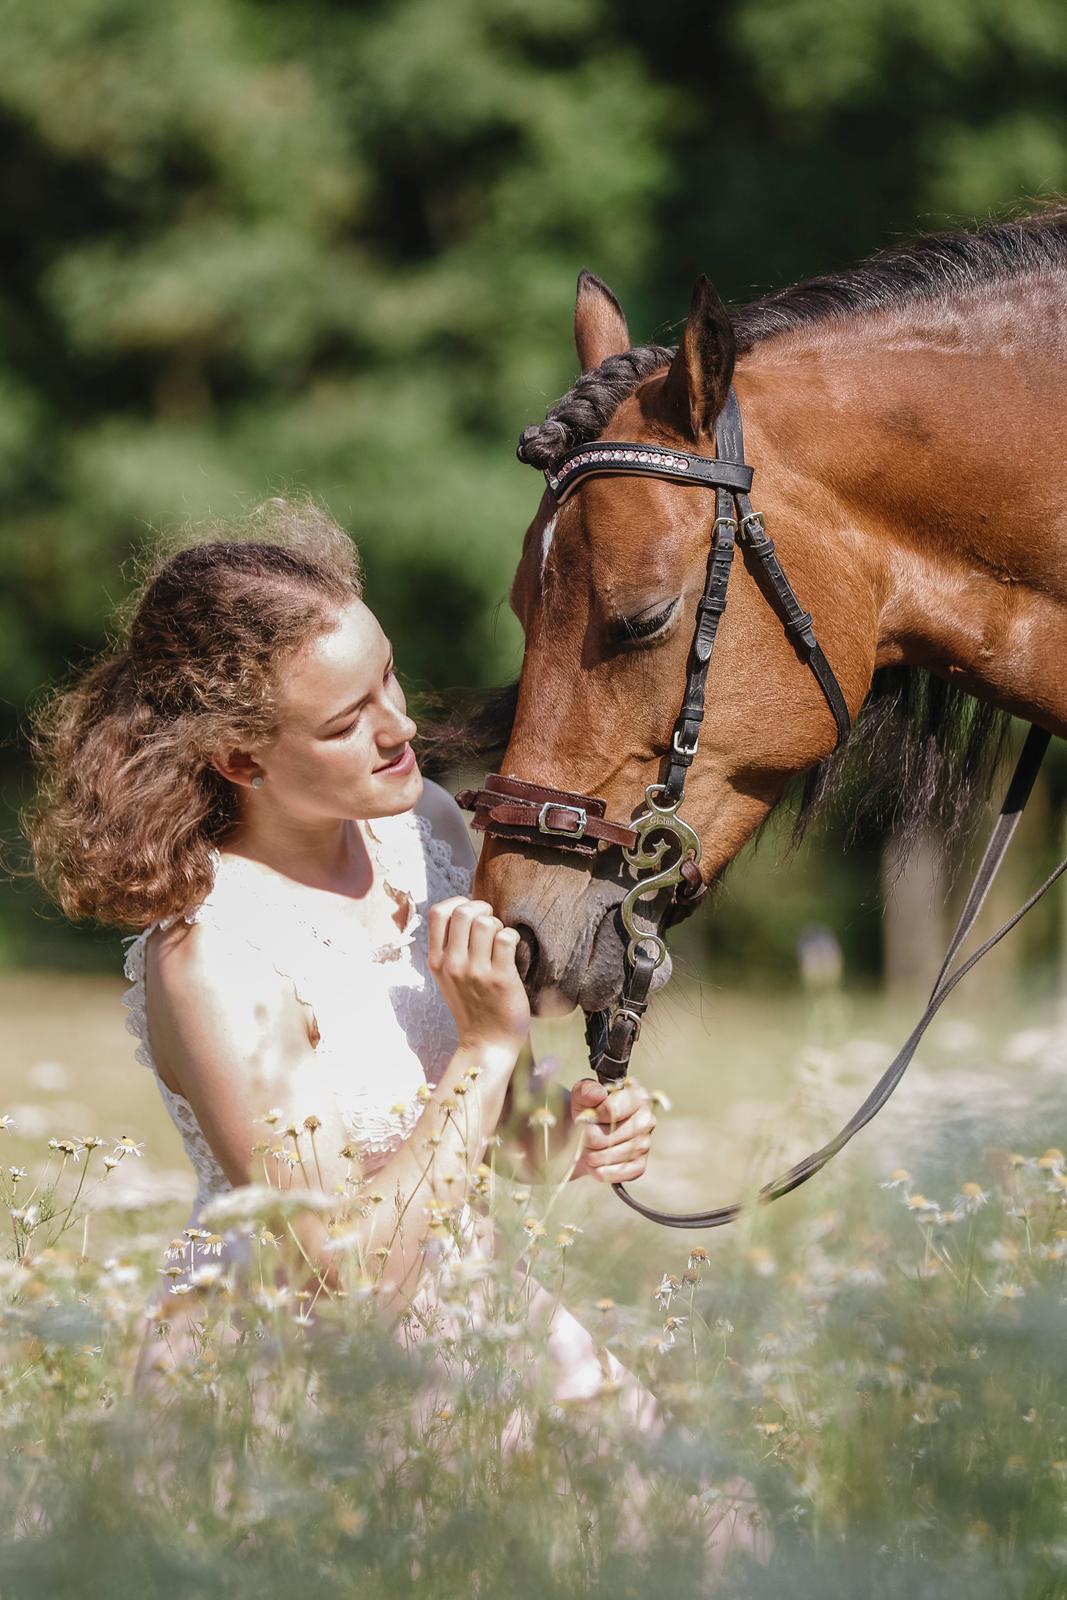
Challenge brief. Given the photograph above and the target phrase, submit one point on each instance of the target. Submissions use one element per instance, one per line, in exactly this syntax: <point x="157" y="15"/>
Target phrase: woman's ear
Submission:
<point x="239" y="766"/>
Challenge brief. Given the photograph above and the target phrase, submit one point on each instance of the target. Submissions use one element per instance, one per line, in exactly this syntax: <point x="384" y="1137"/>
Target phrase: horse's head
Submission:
<point x="606" y="591"/>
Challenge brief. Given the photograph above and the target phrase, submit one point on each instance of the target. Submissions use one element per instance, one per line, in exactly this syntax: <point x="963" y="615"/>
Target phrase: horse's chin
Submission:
<point x="598" y="985"/>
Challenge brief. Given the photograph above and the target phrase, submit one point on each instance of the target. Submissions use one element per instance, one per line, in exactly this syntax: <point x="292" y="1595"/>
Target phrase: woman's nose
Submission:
<point x="401" y="729"/>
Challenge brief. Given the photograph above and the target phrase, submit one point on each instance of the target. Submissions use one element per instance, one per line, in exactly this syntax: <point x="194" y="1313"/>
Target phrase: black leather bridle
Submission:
<point x="511" y="808"/>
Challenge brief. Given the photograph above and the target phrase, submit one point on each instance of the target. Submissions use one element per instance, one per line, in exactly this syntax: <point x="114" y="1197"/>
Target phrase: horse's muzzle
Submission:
<point x="590" y="973"/>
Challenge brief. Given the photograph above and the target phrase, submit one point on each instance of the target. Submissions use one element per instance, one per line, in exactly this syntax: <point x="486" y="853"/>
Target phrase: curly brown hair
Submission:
<point x="127" y="805"/>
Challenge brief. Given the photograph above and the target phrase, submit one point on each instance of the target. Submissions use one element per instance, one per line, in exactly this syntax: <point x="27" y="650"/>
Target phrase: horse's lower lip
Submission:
<point x="590" y="978"/>
<point x="552" y="1002"/>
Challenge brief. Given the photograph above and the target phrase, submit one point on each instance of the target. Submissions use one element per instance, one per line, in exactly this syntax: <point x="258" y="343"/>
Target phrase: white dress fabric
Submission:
<point x="384" y="1027"/>
<point x="385" y="1030"/>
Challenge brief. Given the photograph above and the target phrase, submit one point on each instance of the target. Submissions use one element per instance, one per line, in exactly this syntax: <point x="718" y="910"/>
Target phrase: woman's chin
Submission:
<point x="398" y="793"/>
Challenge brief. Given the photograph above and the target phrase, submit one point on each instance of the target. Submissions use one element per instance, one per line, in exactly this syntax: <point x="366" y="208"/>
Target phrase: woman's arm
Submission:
<point x="244" y="1047"/>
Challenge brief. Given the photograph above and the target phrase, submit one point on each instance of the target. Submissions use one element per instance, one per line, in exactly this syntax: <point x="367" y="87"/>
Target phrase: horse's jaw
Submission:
<point x="593" y="977"/>
<point x="573" y="947"/>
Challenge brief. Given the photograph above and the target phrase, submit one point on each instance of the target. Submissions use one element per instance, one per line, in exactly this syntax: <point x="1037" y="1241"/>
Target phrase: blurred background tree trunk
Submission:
<point x="915" y="922"/>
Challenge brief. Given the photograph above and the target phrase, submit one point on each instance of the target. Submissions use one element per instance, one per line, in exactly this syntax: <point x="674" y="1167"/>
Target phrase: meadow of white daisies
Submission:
<point x="866" y="1384"/>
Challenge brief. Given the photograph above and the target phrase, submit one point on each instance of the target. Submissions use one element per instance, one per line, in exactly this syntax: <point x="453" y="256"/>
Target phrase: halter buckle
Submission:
<point x="624" y="1014"/>
<point x="567" y="833"/>
<point x="681" y="749"/>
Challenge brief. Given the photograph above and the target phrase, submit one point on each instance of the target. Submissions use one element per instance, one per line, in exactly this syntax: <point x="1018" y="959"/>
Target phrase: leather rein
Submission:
<point x="510" y="808"/>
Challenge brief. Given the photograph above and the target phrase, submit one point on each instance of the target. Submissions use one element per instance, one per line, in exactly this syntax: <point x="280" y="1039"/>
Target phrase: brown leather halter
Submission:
<point x="511" y="808"/>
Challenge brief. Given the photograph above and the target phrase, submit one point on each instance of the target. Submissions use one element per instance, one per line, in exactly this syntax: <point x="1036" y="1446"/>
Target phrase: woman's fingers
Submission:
<point x="639" y="1125"/>
<point x="505" y="944"/>
<point x="483" y="932"/>
<point x="623" y="1172"/>
<point x="456" y="951"/>
<point x="630" y="1150"/>
<point x="612" y="1108"/>
<point x="472" y="957"/>
<point x="437" y="926"/>
<point x="587" y="1095"/>
<point x="623" y="1103"/>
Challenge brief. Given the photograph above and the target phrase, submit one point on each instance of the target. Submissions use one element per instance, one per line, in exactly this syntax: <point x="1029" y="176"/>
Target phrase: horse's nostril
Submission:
<point x="526" y="954"/>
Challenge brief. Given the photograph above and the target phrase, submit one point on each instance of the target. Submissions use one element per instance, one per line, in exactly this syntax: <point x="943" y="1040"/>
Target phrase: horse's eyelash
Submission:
<point x="644" y="630"/>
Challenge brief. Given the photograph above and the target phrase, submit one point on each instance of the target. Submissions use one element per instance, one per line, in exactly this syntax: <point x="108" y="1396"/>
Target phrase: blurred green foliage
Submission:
<point x="253" y="245"/>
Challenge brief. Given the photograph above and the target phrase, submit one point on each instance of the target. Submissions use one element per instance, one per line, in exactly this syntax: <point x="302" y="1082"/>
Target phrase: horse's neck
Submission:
<point x="924" y="473"/>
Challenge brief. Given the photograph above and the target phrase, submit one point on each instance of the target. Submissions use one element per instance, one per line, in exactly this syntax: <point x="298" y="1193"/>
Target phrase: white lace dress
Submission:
<point x="383" y="1026"/>
<point x="384" y="1030"/>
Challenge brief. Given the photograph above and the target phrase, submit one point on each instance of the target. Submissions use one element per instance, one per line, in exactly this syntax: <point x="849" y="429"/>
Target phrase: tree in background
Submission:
<point x="253" y="246"/>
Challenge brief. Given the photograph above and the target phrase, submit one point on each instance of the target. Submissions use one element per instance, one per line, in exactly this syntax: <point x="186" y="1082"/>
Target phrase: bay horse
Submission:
<point x="904" y="419"/>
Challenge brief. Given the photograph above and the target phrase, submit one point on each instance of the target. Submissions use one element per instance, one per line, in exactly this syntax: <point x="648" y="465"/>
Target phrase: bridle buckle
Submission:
<point x="681" y="749"/>
<point x="625" y="1014"/>
<point x="566" y="833"/>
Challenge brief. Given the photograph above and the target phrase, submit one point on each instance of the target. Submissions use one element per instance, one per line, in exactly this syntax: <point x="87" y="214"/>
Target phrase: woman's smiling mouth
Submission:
<point x="400" y="766"/>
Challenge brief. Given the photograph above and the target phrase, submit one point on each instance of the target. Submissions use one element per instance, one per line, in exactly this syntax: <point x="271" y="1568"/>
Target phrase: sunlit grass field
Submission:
<point x="870" y="1377"/>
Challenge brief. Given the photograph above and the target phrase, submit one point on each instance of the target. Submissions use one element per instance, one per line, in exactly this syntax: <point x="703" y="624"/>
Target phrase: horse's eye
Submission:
<point x="629" y="629"/>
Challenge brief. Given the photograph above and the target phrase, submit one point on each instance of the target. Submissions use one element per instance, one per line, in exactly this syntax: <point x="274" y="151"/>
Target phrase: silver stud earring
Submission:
<point x="257" y="782"/>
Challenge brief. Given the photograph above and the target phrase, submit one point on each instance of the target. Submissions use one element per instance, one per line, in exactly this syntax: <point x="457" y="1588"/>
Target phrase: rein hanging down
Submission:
<point x="510" y="808"/>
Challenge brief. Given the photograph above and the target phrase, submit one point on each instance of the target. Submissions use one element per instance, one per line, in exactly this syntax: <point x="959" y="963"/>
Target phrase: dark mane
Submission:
<point x="922" y="755"/>
<point x="930" y="266"/>
<point x="589" y="406"/>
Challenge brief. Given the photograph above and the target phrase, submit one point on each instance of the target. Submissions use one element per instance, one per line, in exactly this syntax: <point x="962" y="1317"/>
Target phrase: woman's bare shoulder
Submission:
<point x="230" y="1035"/>
<point x="202" y="955"/>
<point x="211" y="998"/>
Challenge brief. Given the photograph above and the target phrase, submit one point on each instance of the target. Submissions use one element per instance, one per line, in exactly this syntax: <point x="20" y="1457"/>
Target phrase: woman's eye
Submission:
<point x="342" y="731"/>
<point x="648" y="626"/>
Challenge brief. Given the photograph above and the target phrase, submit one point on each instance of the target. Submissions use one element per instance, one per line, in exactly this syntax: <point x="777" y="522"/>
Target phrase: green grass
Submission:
<point x="877" y="1375"/>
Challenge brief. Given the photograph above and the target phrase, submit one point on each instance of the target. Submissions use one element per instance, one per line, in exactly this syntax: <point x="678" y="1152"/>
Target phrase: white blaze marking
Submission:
<point x="546" y="544"/>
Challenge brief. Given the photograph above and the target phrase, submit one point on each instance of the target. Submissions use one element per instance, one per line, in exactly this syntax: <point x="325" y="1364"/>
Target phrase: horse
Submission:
<point x="903" y="419"/>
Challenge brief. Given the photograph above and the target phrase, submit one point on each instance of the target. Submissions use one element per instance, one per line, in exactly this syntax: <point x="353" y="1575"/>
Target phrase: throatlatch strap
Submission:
<point x="1019" y="790"/>
<point x="798" y="622"/>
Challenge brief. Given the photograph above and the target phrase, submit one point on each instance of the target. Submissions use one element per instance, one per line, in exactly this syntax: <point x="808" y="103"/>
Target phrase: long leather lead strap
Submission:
<point x="1019" y="790"/>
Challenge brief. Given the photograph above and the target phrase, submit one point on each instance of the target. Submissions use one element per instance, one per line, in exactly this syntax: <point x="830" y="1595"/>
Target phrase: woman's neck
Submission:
<point x="329" y="855"/>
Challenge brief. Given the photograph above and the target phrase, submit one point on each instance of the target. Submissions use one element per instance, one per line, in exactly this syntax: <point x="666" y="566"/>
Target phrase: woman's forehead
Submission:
<point x="342" y="659"/>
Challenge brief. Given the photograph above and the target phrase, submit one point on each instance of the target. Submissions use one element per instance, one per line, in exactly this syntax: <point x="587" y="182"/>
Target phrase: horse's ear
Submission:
<point x="599" y="326"/>
<point x="696" y="386"/>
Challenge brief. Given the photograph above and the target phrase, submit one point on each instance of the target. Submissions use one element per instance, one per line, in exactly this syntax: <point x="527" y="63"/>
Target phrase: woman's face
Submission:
<point x="342" y="747"/>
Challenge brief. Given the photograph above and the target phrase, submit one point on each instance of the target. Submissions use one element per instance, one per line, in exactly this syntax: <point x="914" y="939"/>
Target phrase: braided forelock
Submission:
<point x="589" y="406"/>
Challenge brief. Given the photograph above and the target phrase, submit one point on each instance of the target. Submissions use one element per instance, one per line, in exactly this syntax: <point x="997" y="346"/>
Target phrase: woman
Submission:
<point x="236" y="781"/>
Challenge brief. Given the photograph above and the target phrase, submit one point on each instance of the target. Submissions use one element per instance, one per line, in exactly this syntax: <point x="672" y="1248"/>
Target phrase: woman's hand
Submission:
<point x="616" y="1145"/>
<point x="472" y="958"/>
